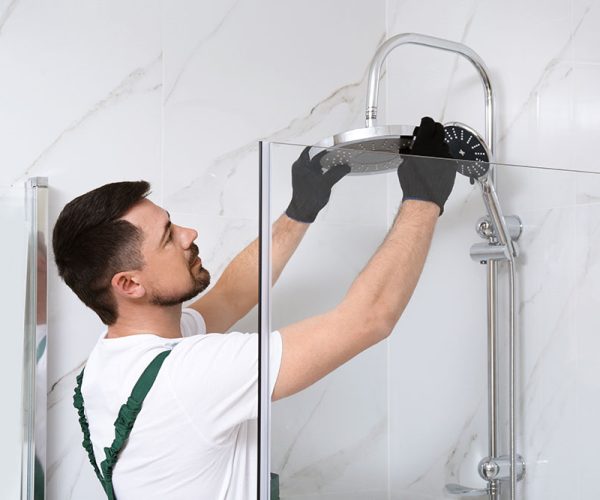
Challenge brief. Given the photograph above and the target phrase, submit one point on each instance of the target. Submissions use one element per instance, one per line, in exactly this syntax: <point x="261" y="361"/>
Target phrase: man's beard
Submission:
<point x="199" y="283"/>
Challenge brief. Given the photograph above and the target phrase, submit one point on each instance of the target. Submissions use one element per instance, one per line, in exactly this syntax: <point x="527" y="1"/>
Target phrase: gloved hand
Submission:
<point x="428" y="180"/>
<point x="311" y="187"/>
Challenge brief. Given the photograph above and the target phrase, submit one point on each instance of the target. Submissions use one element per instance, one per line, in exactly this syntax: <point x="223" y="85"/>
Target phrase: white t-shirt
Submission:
<point x="196" y="435"/>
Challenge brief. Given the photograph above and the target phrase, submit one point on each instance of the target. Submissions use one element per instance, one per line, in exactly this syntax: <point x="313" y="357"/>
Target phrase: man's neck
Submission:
<point x="158" y="320"/>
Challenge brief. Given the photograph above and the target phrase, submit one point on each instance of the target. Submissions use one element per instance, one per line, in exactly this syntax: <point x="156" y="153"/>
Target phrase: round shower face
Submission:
<point x="374" y="150"/>
<point x="466" y="144"/>
<point x="366" y="151"/>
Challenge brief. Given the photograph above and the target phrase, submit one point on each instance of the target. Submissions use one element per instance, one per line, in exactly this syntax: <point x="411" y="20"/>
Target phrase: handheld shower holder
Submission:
<point x="493" y="249"/>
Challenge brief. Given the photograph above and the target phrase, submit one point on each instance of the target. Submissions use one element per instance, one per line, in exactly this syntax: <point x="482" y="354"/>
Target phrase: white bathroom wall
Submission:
<point x="544" y="66"/>
<point x="81" y="103"/>
<point x="178" y="93"/>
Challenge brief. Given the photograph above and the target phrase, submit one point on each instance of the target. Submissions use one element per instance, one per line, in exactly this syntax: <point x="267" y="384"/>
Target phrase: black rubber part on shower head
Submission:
<point x="465" y="144"/>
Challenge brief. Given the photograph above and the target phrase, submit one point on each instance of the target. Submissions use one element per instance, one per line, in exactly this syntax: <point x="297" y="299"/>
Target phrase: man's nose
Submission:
<point x="189" y="236"/>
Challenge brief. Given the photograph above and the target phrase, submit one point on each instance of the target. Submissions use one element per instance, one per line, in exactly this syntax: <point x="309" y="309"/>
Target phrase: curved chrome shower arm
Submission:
<point x="437" y="43"/>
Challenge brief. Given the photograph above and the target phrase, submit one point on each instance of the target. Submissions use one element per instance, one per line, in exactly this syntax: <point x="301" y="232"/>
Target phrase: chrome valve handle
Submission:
<point x="491" y="468"/>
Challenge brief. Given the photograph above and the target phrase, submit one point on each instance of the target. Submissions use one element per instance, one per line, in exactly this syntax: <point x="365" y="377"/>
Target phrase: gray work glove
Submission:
<point x="428" y="180"/>
<point x="311" y="187"/>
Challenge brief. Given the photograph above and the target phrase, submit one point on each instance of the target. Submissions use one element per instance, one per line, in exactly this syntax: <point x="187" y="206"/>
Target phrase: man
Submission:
<point x="195" y="437"/>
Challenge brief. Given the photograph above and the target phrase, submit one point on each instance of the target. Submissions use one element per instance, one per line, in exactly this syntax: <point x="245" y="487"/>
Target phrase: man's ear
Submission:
<point x="127" y="285"/>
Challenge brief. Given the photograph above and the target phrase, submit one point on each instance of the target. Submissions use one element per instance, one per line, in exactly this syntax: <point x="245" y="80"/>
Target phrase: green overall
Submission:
<point x="123" y="425"/>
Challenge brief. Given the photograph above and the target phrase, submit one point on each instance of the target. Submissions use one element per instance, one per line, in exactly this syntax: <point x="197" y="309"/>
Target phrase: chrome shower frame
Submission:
<point x="501" y="246"/>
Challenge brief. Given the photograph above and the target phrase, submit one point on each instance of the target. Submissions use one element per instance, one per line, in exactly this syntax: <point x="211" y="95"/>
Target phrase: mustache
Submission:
<point x="195" y="251"/>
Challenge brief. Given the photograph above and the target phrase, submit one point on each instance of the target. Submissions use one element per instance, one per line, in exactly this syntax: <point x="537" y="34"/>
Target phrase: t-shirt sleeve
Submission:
<point x="192" y="323"/>
<point x="214" y="377"/>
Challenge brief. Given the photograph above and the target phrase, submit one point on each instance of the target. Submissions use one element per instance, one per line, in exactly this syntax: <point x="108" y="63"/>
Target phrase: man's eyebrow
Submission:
<point x="166" y="229"/>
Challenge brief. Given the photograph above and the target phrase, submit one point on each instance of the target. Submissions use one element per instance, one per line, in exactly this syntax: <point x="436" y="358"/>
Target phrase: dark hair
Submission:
<point x="92" y="243"/>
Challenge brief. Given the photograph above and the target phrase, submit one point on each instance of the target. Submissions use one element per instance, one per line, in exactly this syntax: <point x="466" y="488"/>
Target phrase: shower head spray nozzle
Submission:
<point x="378" y="149"/>
<point x="469" y="148"/>
<point x="368" y="150"/>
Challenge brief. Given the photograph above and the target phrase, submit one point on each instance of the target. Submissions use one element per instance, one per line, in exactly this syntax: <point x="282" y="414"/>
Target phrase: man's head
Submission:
<point x="113" y="245"/>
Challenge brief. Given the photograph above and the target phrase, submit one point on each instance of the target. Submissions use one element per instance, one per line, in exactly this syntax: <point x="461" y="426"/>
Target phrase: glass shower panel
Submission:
<point x="438" y="387"/>
<point x="331" y="439"/>
<point x="558" y="325"/>
<point x="411" y="415"/>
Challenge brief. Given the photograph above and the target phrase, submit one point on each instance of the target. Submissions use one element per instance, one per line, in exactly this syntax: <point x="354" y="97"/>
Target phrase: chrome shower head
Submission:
<point x="368" y="150"/>
<point x="373" y="150"/>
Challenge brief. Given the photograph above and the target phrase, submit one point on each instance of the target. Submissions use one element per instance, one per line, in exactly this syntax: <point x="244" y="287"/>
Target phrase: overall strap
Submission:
<point x="123" y="424"/>
<point x="87" y="443"/>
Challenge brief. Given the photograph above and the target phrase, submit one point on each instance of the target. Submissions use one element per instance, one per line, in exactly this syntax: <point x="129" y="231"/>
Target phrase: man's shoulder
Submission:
<point x="192" y="322"/>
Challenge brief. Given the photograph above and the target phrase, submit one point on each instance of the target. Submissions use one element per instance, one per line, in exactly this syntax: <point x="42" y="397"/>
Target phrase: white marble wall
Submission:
<point x="177" y="93"/>
<point x="180" y="92"/>
<point x="544" y="66"/>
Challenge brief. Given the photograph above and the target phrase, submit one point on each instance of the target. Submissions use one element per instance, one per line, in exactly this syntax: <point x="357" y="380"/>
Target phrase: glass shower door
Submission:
<point x="319" y="434"/>
<point x="410" y="416"/>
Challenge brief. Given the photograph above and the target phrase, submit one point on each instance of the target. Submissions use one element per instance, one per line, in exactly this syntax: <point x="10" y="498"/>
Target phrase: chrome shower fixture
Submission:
<point x="374" y="149"/>
<point x="367" y="150"/>
<point x="467" y="145"/>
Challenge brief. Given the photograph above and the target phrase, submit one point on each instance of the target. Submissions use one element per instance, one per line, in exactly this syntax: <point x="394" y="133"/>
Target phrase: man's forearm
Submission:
<point x="240" y="277"/>
<point x="384" y="287"/>
<point x="316" y="346"/>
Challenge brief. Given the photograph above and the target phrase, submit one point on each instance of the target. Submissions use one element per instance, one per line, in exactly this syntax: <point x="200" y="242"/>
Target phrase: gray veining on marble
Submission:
<point x="290" y="448"/>
<point x="125" y="88"/>
<point x="197" y="47"/>
<point x="4" y="17"/>
<point x="463" y="39"/>
<point x="541" y="82"/>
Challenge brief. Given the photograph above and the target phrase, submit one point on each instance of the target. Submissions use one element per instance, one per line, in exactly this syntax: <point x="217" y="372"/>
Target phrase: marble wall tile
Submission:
<point x="585" y="433"/>
<point x="585" y="15"/>
<point x="81" y="100"/>
<point x="586" y="119"/>
<point x="212" y="124"/>
<point x="332" y="438"/>
<point x="547" y="358"/>
<point x="61" y="75"/>
<point x="13" y="267"/>
<point x="546" y="116"/>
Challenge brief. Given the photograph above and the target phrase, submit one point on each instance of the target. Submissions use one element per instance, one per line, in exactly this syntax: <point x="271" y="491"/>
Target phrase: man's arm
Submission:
<point x="236" y="291"/>
<point x="314" y="347"/>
